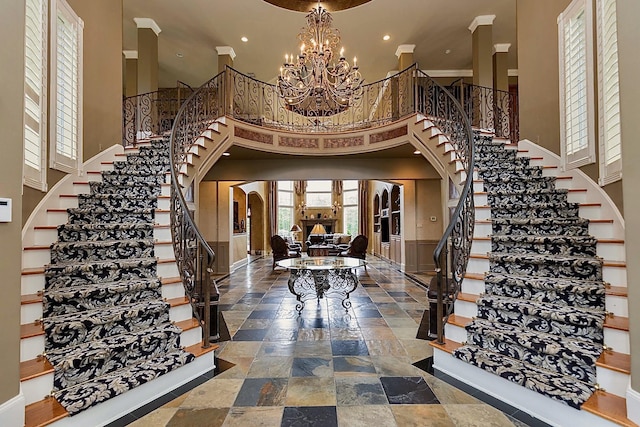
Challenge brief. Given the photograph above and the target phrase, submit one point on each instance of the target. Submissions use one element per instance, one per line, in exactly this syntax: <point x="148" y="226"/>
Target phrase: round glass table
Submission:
<point x="317" y="277"/>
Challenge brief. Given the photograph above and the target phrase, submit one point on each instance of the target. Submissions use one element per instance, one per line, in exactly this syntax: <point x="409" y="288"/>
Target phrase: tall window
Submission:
<point x="350" y="206"/>
<point x="66" y="99"/>
<point x="318" y="194"/>
<point x="285" y="207"/>
<point x="35" y="98"/>
<point x="608" y="93"/>
<point x="576" y="85"/>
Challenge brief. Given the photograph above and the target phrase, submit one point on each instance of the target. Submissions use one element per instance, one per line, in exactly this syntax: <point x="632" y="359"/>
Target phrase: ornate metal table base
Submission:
<point x="309" y="284"/>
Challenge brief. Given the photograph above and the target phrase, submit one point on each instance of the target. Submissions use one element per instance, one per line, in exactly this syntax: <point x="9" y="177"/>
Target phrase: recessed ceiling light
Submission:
<point x="448" y="51"/>
<point x="244" y="39"/>
<point x="386" y="37"/>
<point x="226" y="154"/>
<point x="179" y="54"/>
<point x="417" y="152"/>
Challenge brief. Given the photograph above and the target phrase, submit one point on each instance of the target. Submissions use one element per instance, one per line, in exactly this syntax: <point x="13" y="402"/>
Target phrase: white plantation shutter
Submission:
<point x="576" y="85"/>
<point x="35" y="84"/>
<point x="609" y="93"/>
<point x="66" y="98"/>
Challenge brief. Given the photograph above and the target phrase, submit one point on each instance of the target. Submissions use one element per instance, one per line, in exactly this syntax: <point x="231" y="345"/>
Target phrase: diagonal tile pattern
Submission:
<point x="324" y="367"/>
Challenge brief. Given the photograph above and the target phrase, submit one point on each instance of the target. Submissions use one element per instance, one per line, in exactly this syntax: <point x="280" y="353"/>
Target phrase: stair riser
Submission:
<point x="191" y="337"/>
<point x="577" y="197"/>
<point x="33" y="258"/>
<point x="117" y="203"/>
<point x="103" y="234"/>
<point x="473" y="286"/>
<point x="601" y="230"/>
<point x="44" y="237"/>
<point x="516" y="247"/>
<point x="570" y="229"/>
<point x="59" y="277"/>
<point x="480" y="200"/>
<point x="81" y="188"/>
<point x="173" y="290"/>
<point x="525" y="198"/>
<point x="455" y="333"/>
<point x="617" y="305"/>
<point x="136" y="217"/>
<point x="466" y="309"/>
<point x="168" y="270"/>
<point x="617" y="276"/>
<point x="32" y="283"/>
<point x="162" y="234"/>
<point x="31" y="347"/>
<point x="37" y="388"/>
<point x="587" y="271"/>
<point x="564" y="211"/>
<point x="549" y="296"/>
<point x="590" y="212"/>
<point x="180" y="313"/>
<point x="613" y="381"/>
<point x="618" y="340"/>
<point x="163" y="218"/>
<point x="164" y="250"/>
<point x="100" y="253"/>
<point x="29" y="313"/>
<point x="56" y="218"/>
<point x="612" y="251"/>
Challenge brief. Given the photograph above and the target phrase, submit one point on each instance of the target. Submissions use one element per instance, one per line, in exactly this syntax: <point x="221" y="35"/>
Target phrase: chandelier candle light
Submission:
<point x="313" y="83"/>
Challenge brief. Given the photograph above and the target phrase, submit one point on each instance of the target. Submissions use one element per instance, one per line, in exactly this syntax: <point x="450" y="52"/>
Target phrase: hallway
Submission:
<point x="325" y="367"/>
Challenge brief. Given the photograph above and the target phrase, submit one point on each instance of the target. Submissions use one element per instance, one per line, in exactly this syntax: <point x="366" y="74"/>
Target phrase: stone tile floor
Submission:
<point x="325" y="366"/>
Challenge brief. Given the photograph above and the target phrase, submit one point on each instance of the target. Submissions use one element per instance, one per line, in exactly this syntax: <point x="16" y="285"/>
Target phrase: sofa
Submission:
<point x="337" y="242"/>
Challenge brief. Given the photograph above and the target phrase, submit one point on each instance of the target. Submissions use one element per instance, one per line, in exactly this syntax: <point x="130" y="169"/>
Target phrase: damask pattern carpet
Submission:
<point x="107" y="328"/>
<point x="540" y="320"/>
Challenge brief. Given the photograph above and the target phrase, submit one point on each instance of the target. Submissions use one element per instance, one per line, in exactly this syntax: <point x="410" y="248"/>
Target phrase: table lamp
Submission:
<point x="318" y="229"/>
<point x="295" y="229"/>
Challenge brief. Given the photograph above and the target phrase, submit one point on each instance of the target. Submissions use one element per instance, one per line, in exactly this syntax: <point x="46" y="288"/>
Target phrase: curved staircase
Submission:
<point x="103" y="309"/>
<point x="543" y="302"/>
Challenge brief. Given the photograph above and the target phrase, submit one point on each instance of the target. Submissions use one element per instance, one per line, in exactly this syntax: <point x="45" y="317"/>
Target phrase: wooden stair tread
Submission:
<point x="449" y="346"/>
<point x="175" y="302"/>
<point x="31" y="330"/>
<point x="197" y="350"/>
<point x="613" y="360"/>
<point x="44" y="412"/>
<point x="608" y="406"/>
<point x="166" y="261"/>
<point x="480" y="256"/>
<point x="170" y="280"/>
<point x="621" y="264"/>
<point x="33" y="270"/>
<point x="34" y="368"/>
<point x="36" y="248"/>
<point x="464" y="296"/>
<point x="185" y="325"/>
<point x="476" y="276"/>
<point x="30" y="299"/>
<point x="617" y="322"/>
<point x="459" y="320"/>
<point x="619" y="291"/>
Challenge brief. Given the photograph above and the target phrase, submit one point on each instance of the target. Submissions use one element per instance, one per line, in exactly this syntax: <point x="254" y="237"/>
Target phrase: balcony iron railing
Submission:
<point x="487" y="108"/>
<point x="246" y="99"/>
<point x="151" y="113"/>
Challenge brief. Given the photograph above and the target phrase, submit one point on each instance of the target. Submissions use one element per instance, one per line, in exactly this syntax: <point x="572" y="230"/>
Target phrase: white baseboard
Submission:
<point x="12" y="411"/>
<point x="119" y="406"/>
<point x="633" y="405"/>
<point x="538" y="406"/>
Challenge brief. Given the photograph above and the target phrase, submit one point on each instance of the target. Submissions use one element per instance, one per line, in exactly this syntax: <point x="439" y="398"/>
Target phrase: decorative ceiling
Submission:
<point x="191" y="30"/>
<point x="307" y="5"/>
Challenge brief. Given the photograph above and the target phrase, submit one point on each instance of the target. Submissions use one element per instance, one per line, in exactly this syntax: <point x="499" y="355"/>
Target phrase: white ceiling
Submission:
<point x="194" y="28"/>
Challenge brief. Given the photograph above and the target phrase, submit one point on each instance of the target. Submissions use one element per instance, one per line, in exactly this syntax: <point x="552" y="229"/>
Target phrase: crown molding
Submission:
<point x="481" y="20"/>
<point x="226" y="50"/>
<point x="147" y="23"/>
<point x="501" y="47"/>
<point x="405" y="48"/>
<point x="130" y="54"/>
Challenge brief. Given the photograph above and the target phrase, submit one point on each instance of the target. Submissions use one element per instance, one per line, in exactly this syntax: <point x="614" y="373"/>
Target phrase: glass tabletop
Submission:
<point x="321" y="263"/>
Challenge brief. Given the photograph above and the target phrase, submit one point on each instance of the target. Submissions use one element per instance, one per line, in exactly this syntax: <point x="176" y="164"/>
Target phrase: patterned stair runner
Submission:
<point x="540" y="320"/>
<point x="107" y="328"/>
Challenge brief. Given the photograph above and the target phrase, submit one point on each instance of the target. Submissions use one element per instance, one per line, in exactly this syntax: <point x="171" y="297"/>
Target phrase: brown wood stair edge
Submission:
<point x="34" y="368"/>
<point x="44" y="412"/>
<point x="608" y="406"/>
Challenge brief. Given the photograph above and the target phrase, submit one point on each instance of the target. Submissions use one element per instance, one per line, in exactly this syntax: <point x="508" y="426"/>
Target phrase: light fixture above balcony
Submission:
<point x="316" y="82"/>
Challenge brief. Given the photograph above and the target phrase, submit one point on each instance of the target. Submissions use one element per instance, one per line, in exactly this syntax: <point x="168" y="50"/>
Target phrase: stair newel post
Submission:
<point x="204" y="282"/>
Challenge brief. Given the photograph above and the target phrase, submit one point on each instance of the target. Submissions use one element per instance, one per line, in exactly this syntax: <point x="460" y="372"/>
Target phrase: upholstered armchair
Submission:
<point x="357" y="248"/>
<point x="282" y="250"/>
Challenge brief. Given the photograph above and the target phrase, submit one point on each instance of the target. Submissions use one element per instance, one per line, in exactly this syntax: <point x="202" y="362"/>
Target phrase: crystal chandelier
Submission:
<point x="314" y="83"/>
